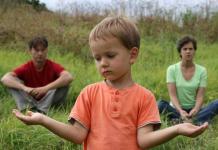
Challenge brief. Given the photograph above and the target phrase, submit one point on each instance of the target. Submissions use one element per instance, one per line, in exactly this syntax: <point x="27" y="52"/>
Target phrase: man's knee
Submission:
<point x="60" y="95"/>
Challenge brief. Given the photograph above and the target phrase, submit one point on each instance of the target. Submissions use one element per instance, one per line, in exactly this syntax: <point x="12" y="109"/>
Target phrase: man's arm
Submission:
<point x="10" y="80"/>
<point x="64" y="79"/>
<point x="147" y="138"/>
<point x="75" y="132"/>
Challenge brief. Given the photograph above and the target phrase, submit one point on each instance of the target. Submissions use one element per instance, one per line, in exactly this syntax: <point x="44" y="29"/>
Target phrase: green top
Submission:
<point x="186" y="89"/>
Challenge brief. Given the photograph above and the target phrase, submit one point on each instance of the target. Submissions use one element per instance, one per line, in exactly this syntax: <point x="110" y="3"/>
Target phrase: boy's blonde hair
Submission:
<point x="119" y="27"/>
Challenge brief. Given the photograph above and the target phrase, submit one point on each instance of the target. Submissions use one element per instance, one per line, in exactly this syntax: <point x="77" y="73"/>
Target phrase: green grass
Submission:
<point x="148" y="71"/>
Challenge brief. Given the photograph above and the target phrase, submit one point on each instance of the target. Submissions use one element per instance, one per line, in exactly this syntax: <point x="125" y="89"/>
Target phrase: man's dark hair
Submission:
<point x="185" y="40"/>
<point x="39" y="40"/>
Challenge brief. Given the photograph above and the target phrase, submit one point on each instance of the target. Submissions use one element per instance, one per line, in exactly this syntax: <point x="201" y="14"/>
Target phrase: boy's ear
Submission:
<point x="133" y="54"/>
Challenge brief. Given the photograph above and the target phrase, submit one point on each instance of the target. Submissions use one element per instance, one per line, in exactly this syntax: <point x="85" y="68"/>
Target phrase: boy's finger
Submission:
<point x="202" y="128"/>
<point x="29" y="113"/>
<point x="16" y="112"/>
<point x="19" y="115"/>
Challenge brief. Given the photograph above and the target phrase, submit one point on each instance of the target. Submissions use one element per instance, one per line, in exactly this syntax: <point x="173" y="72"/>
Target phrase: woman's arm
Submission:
<point x="199" y="102"/>
<point x="173" y="97"/>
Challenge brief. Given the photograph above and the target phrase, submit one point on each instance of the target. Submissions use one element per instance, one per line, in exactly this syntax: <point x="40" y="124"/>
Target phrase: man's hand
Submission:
<point x="39" y="92"/>
<point x="27" y="89"/>
<point x="30" y="118"/>
<point x="190" y="130"/>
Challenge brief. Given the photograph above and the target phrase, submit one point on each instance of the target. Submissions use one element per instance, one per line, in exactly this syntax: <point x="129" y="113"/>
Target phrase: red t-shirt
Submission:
<point x="33" y="78"/>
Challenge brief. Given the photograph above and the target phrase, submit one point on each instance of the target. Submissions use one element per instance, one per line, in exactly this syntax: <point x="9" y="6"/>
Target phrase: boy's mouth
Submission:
<point x="106" y="72"/>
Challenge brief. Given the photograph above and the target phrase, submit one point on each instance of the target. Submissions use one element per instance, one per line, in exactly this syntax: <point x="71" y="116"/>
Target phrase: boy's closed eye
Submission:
<point x="111" y="55"/>
<point x="97" y="58"/>
<point x="107" y="55"/>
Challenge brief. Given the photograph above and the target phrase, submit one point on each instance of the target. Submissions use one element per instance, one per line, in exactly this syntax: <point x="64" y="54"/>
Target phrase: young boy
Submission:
<point x="116" y="113"/>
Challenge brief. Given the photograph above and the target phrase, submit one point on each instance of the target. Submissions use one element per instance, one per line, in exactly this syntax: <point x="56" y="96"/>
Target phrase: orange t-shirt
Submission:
<point x="113" y="116"/>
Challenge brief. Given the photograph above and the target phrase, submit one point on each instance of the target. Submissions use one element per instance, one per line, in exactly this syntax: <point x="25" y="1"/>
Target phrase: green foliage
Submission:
<point x="189" y="19"/>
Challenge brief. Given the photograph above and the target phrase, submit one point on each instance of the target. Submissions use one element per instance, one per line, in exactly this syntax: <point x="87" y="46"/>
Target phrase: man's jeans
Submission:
<point x="206" y="114"/>
<point x="52" y="97"/>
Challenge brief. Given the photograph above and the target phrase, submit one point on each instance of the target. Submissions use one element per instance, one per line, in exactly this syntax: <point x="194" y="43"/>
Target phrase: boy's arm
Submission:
<point x="148" y="138"/>
<point x="75" y="133"/>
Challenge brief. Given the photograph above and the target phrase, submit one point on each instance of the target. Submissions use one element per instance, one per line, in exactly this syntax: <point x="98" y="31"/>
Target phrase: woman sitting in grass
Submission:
<point x="186" y="82"/>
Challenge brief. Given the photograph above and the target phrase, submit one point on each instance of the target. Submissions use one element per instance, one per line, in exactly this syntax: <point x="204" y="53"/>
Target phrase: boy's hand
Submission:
<point x="190" y="130"/>
<point x="30" y="118"/>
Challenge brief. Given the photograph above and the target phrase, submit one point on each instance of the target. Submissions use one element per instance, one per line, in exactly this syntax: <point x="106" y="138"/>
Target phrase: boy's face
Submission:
<point x="39" y="55"/>
<point x="112" y="59"/>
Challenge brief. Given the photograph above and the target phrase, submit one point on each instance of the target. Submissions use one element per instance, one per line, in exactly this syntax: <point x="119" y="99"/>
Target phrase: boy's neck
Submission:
<point x="119" y="85"/>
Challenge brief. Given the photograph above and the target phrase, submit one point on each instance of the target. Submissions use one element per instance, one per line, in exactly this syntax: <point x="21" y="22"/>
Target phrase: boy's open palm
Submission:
<point x="190" y="130"/>
<point x="30" y="118"/>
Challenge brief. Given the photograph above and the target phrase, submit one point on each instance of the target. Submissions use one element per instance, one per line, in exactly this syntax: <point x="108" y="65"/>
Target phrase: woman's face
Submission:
<point x="187" y="52"/>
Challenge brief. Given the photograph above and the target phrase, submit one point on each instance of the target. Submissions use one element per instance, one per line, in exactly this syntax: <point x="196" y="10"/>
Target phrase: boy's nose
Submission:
<point x="104" y="62"/>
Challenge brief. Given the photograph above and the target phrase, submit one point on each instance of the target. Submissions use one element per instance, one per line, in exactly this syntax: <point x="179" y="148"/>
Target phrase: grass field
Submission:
<point x="148" y="71"/>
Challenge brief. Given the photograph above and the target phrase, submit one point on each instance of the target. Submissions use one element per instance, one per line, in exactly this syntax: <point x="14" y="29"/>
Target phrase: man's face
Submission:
<point x="39" y="55"/>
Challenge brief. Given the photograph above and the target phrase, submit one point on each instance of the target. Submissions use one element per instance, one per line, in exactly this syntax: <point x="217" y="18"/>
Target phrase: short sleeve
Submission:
<point x="170" y="77"/>
<point x="203" y="79"/>
<point x="20" y="71"/>
<point x="81" y="111"/>
<point x="148" y="112"/>
<point x="58" y="68"/>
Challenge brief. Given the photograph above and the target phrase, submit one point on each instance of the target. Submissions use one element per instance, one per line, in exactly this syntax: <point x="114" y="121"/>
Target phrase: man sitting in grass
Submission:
<point x="40" y="82"/>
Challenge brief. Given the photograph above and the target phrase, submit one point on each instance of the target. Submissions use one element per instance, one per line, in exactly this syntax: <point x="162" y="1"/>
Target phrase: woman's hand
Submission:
<point x="192" y="113"/>
<point x="184" y="115"/>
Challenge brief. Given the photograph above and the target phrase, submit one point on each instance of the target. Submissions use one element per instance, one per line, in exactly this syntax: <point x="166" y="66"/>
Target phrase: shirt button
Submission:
<point x="116" y="100"/>
<point x="115" y="109"/>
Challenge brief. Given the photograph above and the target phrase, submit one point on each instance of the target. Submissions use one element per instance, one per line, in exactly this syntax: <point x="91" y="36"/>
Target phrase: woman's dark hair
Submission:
<point x="185" y="40"/>
<point x="39" y="40"/>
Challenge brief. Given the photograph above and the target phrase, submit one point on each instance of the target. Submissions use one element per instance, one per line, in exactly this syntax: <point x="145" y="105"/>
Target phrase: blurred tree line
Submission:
<point x="68" y="28"/>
